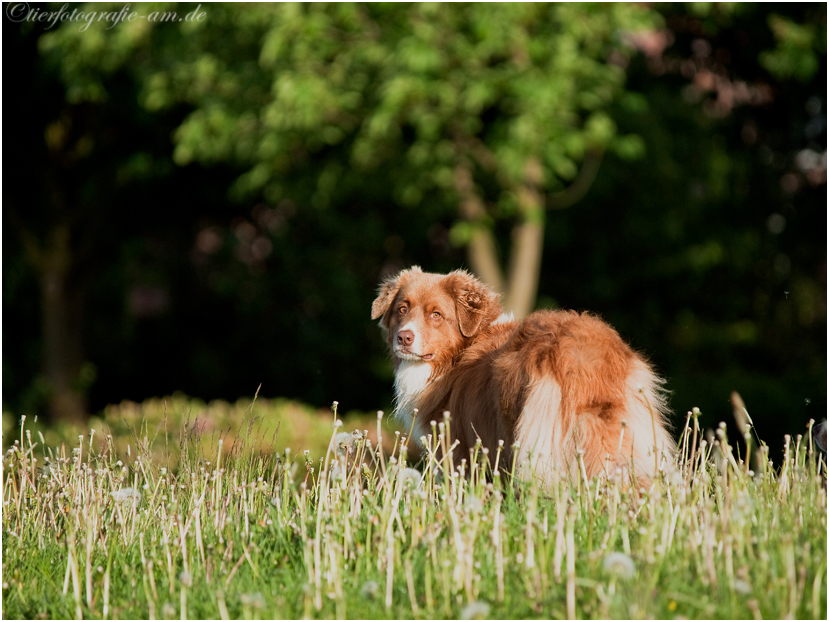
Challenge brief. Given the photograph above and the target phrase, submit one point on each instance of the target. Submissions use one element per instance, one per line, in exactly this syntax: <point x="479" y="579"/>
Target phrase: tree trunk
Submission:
<point x="525" y="264"/>
<point x="61" y="311"/>
<point x="520" y="288"/>
<point x="527" y="245"/>
<point x="62" y="357"/>
<point x="482" y="249"/>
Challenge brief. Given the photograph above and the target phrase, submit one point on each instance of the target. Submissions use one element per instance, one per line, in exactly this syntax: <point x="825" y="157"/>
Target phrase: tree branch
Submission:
<point x="584" y="180"/>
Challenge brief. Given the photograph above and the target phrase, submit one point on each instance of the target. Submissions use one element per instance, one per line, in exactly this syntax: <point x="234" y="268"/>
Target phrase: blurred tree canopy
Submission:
<point x="447" y="95"/>
<point x="206" y="204"/>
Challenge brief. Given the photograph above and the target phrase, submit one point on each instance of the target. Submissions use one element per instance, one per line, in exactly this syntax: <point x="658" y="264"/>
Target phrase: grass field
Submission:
<point x="169" y="519"/>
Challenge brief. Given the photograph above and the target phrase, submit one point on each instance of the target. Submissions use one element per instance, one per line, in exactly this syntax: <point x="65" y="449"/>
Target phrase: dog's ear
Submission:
<point x="474" y="301"/>
<point x="388" y="290"/>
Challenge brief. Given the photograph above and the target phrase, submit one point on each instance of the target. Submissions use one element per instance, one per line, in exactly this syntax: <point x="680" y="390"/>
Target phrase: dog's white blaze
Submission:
<point x="643" y="383"/>
<point x="539" y="432"/>
<point x="410" y="380"/>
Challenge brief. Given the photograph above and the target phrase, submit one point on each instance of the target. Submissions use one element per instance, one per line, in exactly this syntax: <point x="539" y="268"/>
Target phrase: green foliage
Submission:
<point x="796" y="53"/>
<point x="274" y="85"/>
<point x="355" y="533"/>
<point x="695" y="252"/>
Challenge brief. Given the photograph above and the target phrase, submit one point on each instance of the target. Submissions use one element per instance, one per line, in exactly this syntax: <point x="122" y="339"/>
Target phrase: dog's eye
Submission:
<point x="436" y="315"/>
<point x="403" y="310"/>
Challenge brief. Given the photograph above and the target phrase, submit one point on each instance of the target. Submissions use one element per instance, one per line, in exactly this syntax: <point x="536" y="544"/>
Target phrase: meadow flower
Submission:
<point x="620" y="565"/>
<point x="127" y="496"/>
<point x="475" y="611"/>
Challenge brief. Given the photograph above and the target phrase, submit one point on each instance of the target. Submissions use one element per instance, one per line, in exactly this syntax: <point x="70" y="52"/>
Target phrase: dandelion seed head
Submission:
<point x="742" y="587"/>
<point x="127" y="496"/>
<point x="619" y="564"/>
<point x="473" y="505"/>
<point x="408" y="475"/>
<point x="370" y="590"/>
<point x="475" y="611"/>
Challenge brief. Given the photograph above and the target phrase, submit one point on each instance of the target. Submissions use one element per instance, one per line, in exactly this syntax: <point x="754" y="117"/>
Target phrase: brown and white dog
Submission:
<point x="556" y="382"/>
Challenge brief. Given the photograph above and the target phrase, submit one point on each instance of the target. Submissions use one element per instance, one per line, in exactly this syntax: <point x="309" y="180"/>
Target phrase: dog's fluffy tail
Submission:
<point x="550" y="440"/>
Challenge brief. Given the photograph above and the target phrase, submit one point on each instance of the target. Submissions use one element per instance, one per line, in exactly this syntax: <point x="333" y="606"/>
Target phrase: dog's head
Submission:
<point x="429" y="317"/>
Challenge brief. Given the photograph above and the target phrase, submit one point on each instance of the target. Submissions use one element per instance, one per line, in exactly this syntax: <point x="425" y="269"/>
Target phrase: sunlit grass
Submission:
<point x="160" y="426"/>
<point x="241" y="529"/>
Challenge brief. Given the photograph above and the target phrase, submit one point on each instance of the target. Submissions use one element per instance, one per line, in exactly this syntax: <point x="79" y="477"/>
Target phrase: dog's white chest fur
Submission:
<point x="410" y="380"/>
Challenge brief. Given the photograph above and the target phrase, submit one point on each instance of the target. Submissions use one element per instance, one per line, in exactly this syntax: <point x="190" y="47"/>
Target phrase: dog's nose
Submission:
<point x="405" y="337"/>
